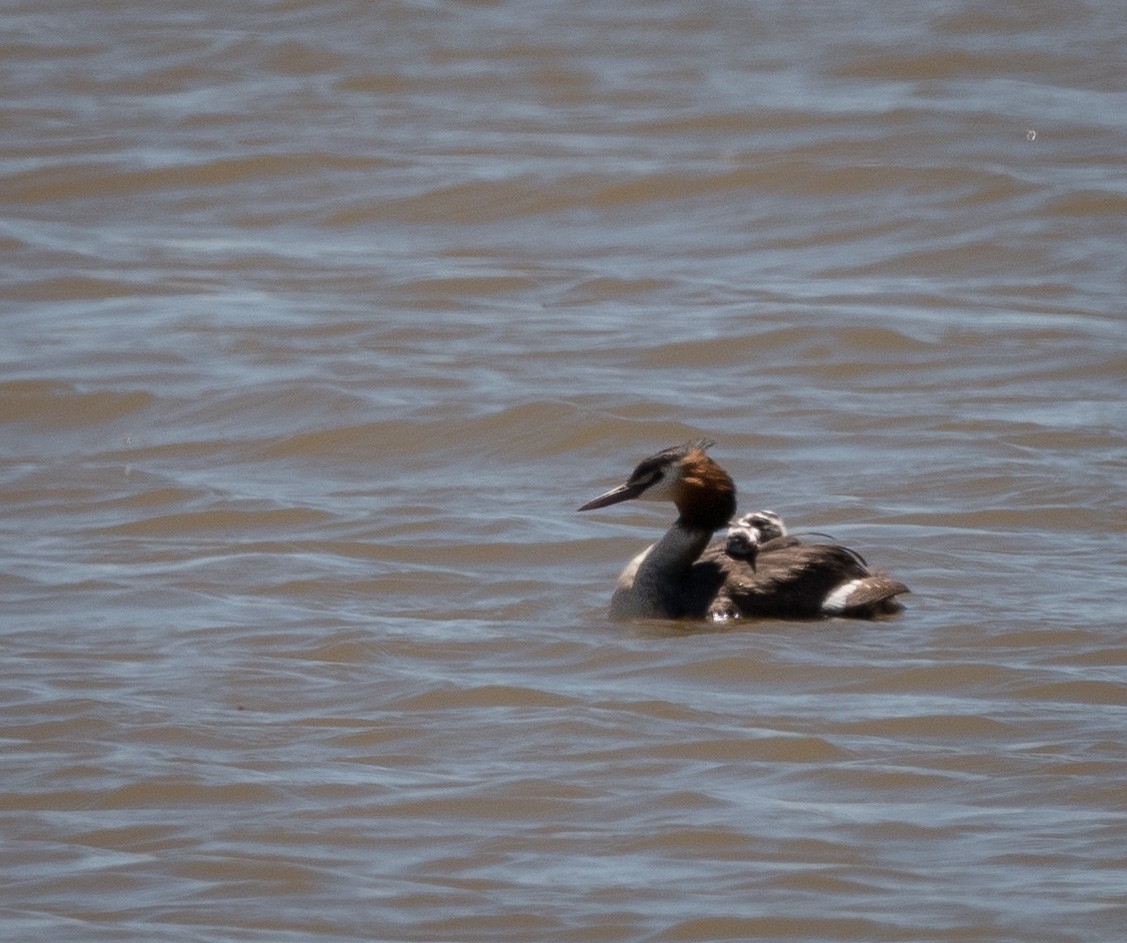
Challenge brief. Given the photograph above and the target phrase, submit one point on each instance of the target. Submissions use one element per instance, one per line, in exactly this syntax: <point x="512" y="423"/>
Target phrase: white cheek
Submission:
<point x="659" y="491"/>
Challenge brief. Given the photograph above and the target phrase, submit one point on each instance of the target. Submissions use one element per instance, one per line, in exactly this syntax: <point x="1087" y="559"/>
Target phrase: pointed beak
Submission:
<point x="621" y="493"/>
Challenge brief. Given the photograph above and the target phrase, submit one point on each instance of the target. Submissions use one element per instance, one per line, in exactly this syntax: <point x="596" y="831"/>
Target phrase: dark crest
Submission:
<point x="649" y="469"/>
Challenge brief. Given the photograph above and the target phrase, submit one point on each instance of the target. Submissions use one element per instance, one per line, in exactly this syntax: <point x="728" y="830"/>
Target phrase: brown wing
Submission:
<point x="792" y="579"/>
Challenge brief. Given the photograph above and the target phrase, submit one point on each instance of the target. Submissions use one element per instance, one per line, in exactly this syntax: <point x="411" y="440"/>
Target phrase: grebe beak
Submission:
<point x="621" y="493"/>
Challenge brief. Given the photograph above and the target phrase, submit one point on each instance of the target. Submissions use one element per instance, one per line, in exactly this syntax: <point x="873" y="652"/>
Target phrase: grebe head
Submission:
<point x="767" y="525"/>
<point x="747" y="534"/>
<point x="703" y="492"/>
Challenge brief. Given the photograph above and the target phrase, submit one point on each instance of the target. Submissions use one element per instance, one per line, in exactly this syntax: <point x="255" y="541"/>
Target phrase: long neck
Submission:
<point x="706" y="500"/>
<point x="659" y="585"/>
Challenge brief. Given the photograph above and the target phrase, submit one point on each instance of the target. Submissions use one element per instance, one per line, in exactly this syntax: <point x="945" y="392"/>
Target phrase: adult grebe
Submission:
<point x="770" y="573"/>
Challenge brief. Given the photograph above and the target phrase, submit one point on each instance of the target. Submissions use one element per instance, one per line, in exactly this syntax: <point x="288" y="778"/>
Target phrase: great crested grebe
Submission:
<point x="760" y="570"/>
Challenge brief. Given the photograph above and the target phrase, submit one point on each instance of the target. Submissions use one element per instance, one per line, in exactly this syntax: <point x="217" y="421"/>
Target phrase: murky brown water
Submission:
<point x="319" y="321"/>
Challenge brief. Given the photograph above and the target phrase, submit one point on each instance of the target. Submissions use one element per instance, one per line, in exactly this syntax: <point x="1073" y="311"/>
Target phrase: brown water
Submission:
<point x="319" y="321"/>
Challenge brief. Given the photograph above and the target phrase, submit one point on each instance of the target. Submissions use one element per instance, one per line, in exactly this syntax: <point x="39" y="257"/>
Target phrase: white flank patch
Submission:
<point x="838" y="600"/>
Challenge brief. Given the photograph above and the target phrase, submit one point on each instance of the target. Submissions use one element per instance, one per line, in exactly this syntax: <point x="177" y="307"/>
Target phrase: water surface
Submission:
<point x="320" y="320"/>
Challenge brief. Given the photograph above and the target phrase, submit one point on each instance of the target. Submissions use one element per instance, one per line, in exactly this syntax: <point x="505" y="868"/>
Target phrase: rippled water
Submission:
<point x="320" y="320"/>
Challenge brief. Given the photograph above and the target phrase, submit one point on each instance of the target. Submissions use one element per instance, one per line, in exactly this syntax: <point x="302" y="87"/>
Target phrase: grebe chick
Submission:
<point x="682" y="575"/>
<point x="747" y="534"/>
